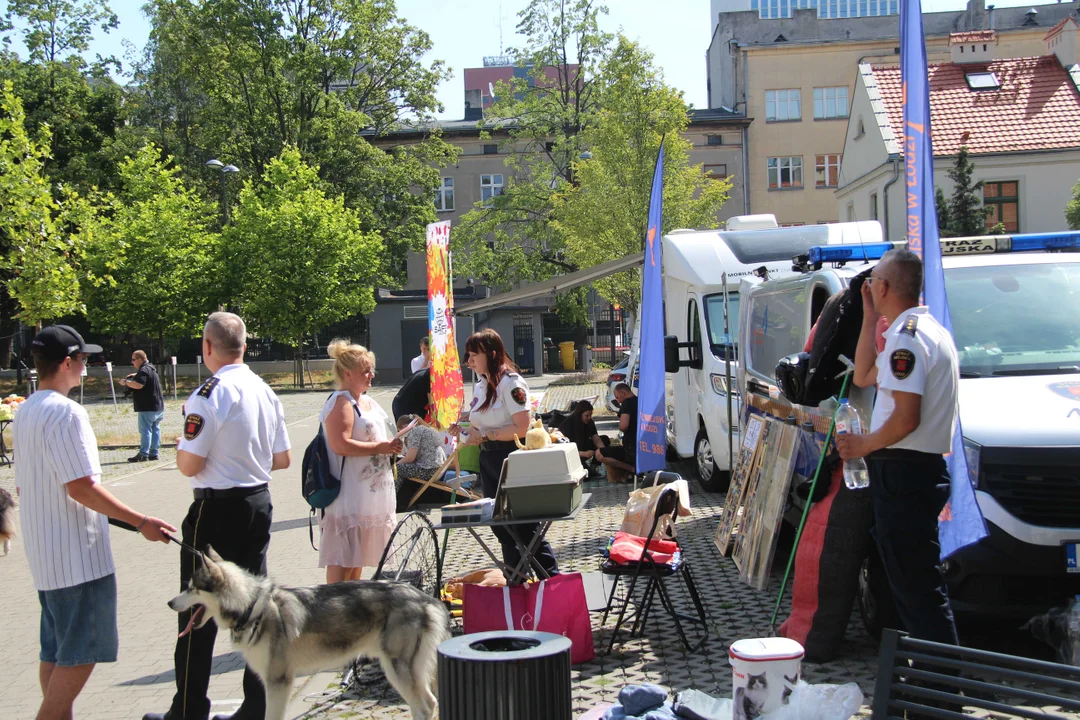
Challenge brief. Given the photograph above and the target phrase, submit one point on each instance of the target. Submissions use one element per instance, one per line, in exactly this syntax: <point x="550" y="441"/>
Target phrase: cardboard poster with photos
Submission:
<point x="745" y="468"/>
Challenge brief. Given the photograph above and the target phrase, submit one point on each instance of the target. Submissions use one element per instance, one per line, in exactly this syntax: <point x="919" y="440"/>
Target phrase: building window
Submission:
<point x="491" y="149"/>
<point x="828" y="171"/>
<point x="785" y="172"/>
<point x="490" y="186"/>
<point x="716" y="172"/>
<point x="830" y="102"/>
<point x="714" y="140"/>
<point x="873" y="206"/>
<point x="792" y="224"/>
<point x="444" y="195"/>
<point x="782" y="105"/>
<point x="1003" y="199"/>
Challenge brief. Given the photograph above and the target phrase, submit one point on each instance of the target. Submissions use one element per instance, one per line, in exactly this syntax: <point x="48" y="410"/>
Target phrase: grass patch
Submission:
<point x="596" y="376"/>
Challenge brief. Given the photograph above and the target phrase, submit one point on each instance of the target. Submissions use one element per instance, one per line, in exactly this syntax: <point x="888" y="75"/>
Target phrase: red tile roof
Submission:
<point x="1036" y="108"/>
<point x="973" y="36"/>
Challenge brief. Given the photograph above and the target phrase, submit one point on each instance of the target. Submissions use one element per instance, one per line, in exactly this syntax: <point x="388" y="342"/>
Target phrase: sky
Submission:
<point x="464" y="31"/>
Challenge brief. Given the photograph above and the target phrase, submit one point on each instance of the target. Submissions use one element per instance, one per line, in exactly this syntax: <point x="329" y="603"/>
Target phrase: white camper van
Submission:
<point x="702" y="271"/>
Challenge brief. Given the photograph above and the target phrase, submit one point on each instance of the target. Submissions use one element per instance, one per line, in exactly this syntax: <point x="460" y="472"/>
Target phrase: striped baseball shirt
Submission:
<point x="67" y="543"/>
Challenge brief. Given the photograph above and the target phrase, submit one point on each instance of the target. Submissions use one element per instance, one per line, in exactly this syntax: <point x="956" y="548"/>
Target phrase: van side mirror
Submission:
<point x="672" y="362"/>
<point x="671" y="354"/>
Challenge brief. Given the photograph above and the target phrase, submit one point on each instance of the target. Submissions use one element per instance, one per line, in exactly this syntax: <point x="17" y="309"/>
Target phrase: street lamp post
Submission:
<point x="225" y="170"/>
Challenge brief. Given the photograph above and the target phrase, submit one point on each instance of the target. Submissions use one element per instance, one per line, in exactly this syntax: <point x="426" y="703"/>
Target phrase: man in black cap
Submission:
<point x="64" y="512"/>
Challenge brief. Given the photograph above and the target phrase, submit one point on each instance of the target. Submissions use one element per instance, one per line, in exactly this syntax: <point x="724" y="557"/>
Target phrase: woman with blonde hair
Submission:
<point x="357" y="525"/>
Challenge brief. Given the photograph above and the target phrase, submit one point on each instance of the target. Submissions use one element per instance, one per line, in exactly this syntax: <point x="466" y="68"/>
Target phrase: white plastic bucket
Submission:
<point x="764" y="672"/>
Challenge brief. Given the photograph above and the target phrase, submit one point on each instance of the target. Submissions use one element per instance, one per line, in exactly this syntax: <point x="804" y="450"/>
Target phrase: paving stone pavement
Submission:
<point x="142" y="680"/>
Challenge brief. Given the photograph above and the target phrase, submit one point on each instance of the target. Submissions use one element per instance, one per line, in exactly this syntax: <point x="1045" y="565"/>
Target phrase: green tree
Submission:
<point x="941" y="205"/>
<point x="604" y="215"/>
<point x="301" y="257"/>
<point x="152" y="254"/>
<point x="1072" y="210"/>
<point x="81" y="104"/>
<point x="246" y="80"/>
<point x="544" y="117"/>
<point x="40" y="237"/>
<point x="967" y="215"/>
<point x="55" y="29"/>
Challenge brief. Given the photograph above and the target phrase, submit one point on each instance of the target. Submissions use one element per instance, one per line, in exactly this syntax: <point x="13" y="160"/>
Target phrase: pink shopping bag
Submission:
<point x="556" y="606"/>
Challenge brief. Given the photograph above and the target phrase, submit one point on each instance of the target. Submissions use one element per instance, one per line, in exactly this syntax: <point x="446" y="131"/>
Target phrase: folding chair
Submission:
<point x="436" y="481"/>
<point x="655" y="575"/>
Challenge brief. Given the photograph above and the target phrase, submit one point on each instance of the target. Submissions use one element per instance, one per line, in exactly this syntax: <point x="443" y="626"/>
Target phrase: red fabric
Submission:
<point x="561" y="608"/>
<point x="626" y="548"/>
<point x="804" y="587"/>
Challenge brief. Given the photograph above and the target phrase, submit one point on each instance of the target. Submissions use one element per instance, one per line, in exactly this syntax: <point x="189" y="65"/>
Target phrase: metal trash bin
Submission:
<point x="507" y="675"/>
<point x="566" y="349"/>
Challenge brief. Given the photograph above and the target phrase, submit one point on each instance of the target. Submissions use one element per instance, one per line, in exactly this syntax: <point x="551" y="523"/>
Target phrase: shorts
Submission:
<point x="618" y="452"/>
<point x="78" y="623"/>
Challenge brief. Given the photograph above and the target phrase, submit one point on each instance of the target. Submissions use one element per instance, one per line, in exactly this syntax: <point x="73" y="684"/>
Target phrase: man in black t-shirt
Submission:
<point x="620" y="460"/>
<point x="149" y="406"/>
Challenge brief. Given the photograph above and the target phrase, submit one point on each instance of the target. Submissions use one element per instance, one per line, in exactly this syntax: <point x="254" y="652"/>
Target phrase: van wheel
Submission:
<point x="876" y="604"/>
<point x="712" y="480"/>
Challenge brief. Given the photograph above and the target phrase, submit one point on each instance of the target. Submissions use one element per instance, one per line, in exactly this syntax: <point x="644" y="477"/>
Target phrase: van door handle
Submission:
<point x="756" y="387"/>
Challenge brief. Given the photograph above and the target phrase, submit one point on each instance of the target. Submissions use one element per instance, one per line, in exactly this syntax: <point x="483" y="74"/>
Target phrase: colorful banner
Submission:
<point x="652" y="423"/>
<point x="961" y="522"/>
<point x="447" y="388"/>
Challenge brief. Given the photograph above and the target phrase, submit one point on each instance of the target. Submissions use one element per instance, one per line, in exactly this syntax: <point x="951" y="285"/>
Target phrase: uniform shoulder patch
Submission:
<point x="910" y="325"/>
<point x="193" y="425"/>
<point x="518" y="395"/>
<point x="902" y="363"/>
<point x="208" y="387"/>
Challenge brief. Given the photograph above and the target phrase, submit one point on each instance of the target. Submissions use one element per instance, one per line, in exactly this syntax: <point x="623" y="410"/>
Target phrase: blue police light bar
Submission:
<point x="981" y="245"/>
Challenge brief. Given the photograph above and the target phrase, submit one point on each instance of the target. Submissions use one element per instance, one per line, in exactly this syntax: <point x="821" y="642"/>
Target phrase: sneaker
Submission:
<point x="152" y="458"/>
<point x="138" y="458"/>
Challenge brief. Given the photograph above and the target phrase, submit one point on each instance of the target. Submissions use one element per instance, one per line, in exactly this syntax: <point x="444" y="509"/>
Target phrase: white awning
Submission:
<point x="550" y="288"/>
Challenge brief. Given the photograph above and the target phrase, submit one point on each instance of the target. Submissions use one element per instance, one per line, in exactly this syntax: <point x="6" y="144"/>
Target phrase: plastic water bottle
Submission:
<point x="847" y="421"/>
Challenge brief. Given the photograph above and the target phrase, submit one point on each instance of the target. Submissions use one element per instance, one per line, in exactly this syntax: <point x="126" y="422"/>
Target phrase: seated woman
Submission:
<point x="580" y="429"/>
<point x="423" y="451"/>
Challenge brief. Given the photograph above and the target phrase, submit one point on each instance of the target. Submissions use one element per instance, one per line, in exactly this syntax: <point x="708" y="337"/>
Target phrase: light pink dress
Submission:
<point x="358" y="524"/>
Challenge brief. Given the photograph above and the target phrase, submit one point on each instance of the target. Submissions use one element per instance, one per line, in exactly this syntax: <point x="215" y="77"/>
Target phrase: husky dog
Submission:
<point x="283" y="632"/>
<point x="7" y="520"/>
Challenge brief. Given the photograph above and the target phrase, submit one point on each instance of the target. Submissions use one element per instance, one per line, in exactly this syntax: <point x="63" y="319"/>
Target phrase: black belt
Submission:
<point x="491" y="445"/>
<point x="237" y="492"/>
<point x="904" y="454"/>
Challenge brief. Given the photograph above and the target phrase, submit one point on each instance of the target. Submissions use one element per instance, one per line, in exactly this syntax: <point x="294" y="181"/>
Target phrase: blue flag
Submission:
<point x="961" y="522"/>
<point x="651" y="420"/>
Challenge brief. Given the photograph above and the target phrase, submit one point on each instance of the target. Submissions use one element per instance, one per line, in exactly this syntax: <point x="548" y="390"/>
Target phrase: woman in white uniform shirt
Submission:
<point x="499" y="411"/>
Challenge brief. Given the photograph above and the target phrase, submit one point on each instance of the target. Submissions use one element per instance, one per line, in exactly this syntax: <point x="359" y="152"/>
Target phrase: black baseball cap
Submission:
<point x="57" y="342"/>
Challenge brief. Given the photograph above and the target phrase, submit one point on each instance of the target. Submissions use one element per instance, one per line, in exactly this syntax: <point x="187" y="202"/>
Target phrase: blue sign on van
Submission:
<point x="1070" y="557"/>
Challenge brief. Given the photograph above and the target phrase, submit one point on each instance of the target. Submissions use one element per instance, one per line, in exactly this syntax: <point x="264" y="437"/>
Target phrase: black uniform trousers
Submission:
<point x="909" y="489"/>
<point x="237" y="526"/>
<point x="492" y="454"/>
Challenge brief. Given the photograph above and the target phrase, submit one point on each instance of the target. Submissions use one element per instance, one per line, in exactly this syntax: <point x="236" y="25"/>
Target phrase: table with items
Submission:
<point x="538" y="487"/>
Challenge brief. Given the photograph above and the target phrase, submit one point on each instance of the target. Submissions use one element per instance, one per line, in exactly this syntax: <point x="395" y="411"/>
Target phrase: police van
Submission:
<point x="702" y="271"/>
<point x="1015" y="309"/>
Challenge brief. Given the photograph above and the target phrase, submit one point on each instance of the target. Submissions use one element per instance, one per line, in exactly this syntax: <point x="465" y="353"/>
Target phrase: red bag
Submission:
<point x="556" y="605"/>
<point x="626" y="548"/>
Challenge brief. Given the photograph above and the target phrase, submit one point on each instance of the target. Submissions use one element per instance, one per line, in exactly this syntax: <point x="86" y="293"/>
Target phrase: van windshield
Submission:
<point x="1016" y="319"/>
<point x="714" y="318"/>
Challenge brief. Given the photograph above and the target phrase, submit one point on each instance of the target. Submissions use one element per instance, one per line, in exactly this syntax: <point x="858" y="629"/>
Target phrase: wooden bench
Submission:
<point x="932" y="688"/>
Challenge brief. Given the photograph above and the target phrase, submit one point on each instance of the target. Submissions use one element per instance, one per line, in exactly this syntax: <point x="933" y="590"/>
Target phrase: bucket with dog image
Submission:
<point x="765" y="671"/>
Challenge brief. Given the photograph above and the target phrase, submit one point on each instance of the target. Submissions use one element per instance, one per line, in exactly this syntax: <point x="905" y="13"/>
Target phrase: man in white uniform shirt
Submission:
<point x="234" y="436"/>
<point x="63" y="509"/>
<point x="911" y="428"/>
<point x="423" y="360"/>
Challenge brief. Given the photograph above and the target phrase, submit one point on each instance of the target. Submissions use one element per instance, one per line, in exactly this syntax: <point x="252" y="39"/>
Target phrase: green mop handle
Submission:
<point x="806" y="508"/>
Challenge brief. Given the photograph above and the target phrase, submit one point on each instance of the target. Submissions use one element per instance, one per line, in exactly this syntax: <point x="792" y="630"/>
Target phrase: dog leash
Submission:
<point x="128" y="526"/>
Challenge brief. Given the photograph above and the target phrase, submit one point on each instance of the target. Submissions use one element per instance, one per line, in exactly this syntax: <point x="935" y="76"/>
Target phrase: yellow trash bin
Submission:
<point x="566" y="350"/>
